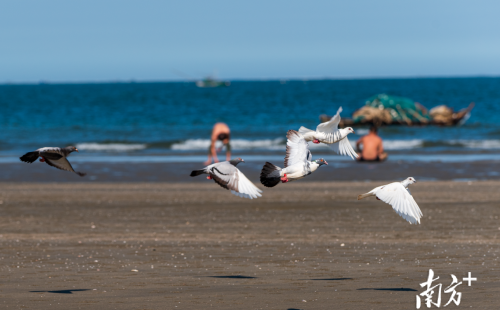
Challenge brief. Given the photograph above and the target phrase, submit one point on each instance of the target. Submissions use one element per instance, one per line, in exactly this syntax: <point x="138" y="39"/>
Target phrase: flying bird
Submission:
<point x="330" y="134"/>
<point x="298" y="162"/>
<point x="53" y="156"/>
<point x="399" y="197"/>
<point x="231" y="178"/>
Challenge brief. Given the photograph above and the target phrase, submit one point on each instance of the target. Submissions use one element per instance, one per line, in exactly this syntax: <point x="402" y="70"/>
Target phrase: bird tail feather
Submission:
<point x="270" y="175"/>
<point x="197" y="172"/>
<point x="303" y="130"/>
<point x="364" y="195"/>
<point x="30" y="157"/>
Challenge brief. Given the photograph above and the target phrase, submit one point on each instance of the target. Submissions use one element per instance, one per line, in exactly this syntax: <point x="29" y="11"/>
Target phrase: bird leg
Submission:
<point x="209" y="177"/>
<point x="316" y="141"/>
<point x="284" y="179"/>
<point x="42" y="160"/>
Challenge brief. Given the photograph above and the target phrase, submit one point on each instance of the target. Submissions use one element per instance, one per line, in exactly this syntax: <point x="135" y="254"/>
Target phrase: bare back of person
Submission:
<point x="219" y="128"/>
<point x="220" y="132"/>
<point x="373" y="149"/>
<point x="371" y="146"/>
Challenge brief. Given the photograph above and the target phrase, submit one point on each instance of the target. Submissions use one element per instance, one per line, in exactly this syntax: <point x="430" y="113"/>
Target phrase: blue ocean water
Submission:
<point x="176" y="118"/>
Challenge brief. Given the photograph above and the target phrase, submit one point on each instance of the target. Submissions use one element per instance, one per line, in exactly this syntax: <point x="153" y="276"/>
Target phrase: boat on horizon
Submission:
<point x="210" y="82"/>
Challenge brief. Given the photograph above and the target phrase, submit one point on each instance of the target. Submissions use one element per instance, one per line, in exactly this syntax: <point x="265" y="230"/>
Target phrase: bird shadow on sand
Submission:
<point x="329" y="279"/>
<point x="232" y="277"/>
<point x="61" y="291"/>
<point x="401" y="289"/>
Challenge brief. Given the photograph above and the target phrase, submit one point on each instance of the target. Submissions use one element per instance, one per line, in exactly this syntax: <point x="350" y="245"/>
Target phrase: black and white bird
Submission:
<point x="231" y="178"/>
<point x="53" y="156"/>
<point x="298" y="162"/>
<point x="399" y="197"/>
<point x="330" y="134"/>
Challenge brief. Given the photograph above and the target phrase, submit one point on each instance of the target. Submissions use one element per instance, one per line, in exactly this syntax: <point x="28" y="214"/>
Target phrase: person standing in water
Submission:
<point x="373" y="149"/>
<point x="220" y="132"/>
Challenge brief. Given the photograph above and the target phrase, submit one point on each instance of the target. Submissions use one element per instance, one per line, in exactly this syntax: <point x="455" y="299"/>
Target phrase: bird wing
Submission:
<point x="225" y="174"/>
<point x="231" y="178"/>
<point x="55" y="157"/>
<point x="331" y="125"/>
<point x="51" y="152"/>
<point x="344" y="147"/>
<point x="61" y="163"/>
<point x="401" y="201"/>
<point x="297" y="149"/>
<point x="246" y="188"/>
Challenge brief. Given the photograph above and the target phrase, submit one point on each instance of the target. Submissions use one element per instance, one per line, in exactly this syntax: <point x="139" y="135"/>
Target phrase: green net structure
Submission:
<point x="400" y="109"/>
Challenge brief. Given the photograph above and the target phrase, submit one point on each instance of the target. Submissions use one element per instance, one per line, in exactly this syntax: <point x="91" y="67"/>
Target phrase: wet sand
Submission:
<point x="304" y="245"/>
<point x="179" y="172"/>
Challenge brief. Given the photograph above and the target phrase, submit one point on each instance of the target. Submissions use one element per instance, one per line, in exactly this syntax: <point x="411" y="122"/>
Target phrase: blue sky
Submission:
<point x="152" y="40"/>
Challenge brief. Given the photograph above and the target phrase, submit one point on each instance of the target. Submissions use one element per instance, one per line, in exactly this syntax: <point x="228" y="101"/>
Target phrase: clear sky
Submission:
<point x="109" y="40"/>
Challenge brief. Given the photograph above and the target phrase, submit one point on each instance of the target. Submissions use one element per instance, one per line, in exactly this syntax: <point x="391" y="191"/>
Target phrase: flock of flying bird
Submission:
<point x="298" y="164"/>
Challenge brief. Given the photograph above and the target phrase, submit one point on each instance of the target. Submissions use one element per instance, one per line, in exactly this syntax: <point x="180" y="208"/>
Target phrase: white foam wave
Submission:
<point x="478" y="144"/>
<point x="362" y="131"/>
<point x="236" y="144"/>
<point x="111" y="147"/>
<point x="402" y="144"/>
<point x="388" y="144"/>
<point x="279" y="144"/>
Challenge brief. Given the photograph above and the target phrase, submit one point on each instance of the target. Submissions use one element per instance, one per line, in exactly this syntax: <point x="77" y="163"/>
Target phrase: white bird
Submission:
<point x="330" y="134"/>
<point x="399" y="197"/>
<point x="298" y="162"/>
<point x="53" y="156"/>
<point x="231" y="178"/>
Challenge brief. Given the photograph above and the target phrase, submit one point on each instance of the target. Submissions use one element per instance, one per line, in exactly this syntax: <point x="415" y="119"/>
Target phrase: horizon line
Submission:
<point x="289" y="79"/>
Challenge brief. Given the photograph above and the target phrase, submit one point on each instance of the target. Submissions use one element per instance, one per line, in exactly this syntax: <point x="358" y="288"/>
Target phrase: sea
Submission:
<point x="172" y="121"/>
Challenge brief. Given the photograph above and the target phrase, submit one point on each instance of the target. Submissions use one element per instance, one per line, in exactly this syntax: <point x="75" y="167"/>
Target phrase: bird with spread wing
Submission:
<point x="399" y="197"/>
<point x="330" y="134"/>
<point x="231" y="178"/>
<point x="298" y="162"/>
<point x="53" y="156"/>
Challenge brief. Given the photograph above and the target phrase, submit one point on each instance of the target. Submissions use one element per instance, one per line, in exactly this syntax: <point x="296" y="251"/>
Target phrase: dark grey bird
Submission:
<point x="231" y="178"/>
<point x="53" y="156"/>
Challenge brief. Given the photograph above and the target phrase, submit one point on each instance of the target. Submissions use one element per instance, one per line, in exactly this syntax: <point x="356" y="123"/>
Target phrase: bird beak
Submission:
<point x="242" y="160"/>
<point x="76" y="150"/>
<point x="325" y="162"/>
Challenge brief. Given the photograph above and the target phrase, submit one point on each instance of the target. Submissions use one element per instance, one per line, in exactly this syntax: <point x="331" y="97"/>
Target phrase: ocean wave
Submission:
<point x="110" y="147"/>
<point x="279" y="144"/>
<point x="362" y="131"/>
<point x="236" y="144"/>
<point x="402" y="144"/>
<point x="420" y="143"/>
<point x="477" y="144"/>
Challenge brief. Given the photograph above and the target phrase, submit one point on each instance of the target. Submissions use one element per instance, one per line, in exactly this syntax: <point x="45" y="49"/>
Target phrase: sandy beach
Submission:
<point x="304" y="245"/>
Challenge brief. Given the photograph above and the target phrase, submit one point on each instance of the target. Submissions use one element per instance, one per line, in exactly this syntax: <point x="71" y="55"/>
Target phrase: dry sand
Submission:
<point x="195" y="246"/>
